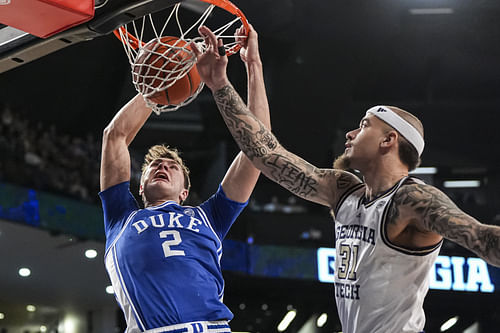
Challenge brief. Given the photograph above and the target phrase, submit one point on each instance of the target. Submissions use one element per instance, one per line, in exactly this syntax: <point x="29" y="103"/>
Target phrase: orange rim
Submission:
<point x="224" y="4"/>
<point x="134" y="42"/>
<point x="231" y="8"/>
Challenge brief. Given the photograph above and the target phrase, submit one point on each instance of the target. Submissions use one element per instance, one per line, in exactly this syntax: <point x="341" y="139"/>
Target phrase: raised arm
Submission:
<point x="115" y="157"/>
<point x="434" y="211"/>
<point x="323" y="186"/>
<point x="241" y="177"/>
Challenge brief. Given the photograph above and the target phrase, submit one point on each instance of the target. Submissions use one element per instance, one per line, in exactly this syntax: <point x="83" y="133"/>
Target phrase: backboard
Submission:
<point x="18" y="47"/>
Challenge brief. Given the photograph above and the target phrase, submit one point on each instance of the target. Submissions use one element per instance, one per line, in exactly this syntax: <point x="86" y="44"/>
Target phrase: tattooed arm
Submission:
<point x="323" y="186"/>
<point x="241" y="177"/>
<point x="432" y="210"/>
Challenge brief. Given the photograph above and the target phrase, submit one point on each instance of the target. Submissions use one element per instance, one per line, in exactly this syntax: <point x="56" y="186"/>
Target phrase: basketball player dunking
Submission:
<point x="388" y="228"/>
<point x="164" y="260"/>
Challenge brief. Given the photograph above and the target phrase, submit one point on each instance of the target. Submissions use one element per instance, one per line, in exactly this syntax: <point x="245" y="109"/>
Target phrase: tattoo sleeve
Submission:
<point x="264" y="150"/>
<point x="440" y="215"/>
<point x="250" y="134"/>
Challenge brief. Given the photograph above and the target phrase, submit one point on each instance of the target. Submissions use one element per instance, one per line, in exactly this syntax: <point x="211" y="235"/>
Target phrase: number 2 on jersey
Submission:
<point x="172" y="242"/>
<point x="347" y="266"/>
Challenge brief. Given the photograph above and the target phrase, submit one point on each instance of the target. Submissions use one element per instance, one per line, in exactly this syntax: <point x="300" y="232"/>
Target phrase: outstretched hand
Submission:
<point x="212" y="63"/>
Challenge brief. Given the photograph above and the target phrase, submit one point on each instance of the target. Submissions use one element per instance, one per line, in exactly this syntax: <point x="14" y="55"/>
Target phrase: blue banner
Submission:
<point x="450" y="273"/>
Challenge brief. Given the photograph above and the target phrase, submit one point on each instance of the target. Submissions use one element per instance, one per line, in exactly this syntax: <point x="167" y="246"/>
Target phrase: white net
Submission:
<point x="164" y="61"/>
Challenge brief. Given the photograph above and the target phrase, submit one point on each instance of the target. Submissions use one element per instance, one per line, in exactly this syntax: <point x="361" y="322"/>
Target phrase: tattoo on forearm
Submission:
<point x="442" y="216"/>
<point x="286" y="172"/>
<point x="254" y="141"/>
<point x="257" y="142"/>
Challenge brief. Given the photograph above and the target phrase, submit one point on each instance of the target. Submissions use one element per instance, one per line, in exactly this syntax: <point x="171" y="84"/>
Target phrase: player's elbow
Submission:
<point x="490" y="257"/>
<point x="112" y="133"/>
<point x="489" y="240"/>
<point x="493" y="261"/>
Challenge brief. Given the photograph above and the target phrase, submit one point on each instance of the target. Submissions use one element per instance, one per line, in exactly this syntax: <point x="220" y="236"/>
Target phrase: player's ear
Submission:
<point x="141" y="189"/>
<point x="183" y="195"/>
<point x="390" y="138"/>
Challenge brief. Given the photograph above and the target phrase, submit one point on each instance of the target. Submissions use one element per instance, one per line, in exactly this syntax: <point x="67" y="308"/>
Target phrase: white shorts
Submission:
<point x="195" y="327"/>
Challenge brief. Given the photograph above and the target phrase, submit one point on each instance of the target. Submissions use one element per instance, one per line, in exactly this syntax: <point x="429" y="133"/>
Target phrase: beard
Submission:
<point x="342" y="163"/>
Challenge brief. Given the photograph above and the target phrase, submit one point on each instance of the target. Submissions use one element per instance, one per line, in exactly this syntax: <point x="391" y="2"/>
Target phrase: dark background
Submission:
<point x="325" y="63"/>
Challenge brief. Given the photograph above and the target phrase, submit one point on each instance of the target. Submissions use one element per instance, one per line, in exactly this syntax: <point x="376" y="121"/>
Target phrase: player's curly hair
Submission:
<point x="163" y="151"/>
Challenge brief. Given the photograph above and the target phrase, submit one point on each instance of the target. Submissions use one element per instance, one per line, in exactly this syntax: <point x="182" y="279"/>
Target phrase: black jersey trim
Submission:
<point x="345" y="195"/>
<point x="388" y="192"/>
<point x="422" y="251"/>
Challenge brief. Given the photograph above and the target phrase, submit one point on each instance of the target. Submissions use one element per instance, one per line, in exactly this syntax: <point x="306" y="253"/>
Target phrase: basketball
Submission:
<point x="158" y="64"/>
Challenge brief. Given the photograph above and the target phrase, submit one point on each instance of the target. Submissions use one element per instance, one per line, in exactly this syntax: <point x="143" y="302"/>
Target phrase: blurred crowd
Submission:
<point x="40" y="157"/>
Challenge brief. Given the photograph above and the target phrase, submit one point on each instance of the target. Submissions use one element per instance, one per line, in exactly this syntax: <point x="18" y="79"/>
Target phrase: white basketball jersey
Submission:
<point x="379" y="286"/>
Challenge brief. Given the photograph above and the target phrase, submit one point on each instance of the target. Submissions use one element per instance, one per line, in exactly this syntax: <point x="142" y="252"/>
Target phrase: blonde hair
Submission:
<point x="163" y="151"/>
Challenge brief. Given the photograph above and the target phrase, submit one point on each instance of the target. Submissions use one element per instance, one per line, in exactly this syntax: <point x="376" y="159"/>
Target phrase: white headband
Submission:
<point x="399" y="124"/>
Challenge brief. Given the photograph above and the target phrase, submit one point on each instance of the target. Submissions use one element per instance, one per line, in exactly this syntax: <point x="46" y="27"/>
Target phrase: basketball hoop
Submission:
<point x="138" y="34"/>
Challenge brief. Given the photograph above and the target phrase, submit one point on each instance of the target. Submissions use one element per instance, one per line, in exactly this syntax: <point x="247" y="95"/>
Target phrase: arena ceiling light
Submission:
<point x="287" y="319"/>
<point x="449" y="324"/>
<point x="461" y="183"/>
<point x="91" y="253"/>
<point x="430" y="11"/>
<point x="69" y="324"/>
<point x="24" y="272"/>
<point x="321" y="321"/>
<point x="424" y="171"/>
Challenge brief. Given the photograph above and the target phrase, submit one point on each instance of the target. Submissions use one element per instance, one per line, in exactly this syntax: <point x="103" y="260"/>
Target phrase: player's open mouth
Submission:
<point x="161" y="176"/>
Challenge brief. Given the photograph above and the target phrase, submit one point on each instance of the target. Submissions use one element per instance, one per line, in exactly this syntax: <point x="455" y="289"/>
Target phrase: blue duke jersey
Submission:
<point x="164" y="261"/>
<point x="379" y="286"/>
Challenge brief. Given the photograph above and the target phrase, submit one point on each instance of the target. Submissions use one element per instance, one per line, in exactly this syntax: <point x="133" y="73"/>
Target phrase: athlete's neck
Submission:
<point x="158" y="202"/>
<point x="382" y="177"/>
